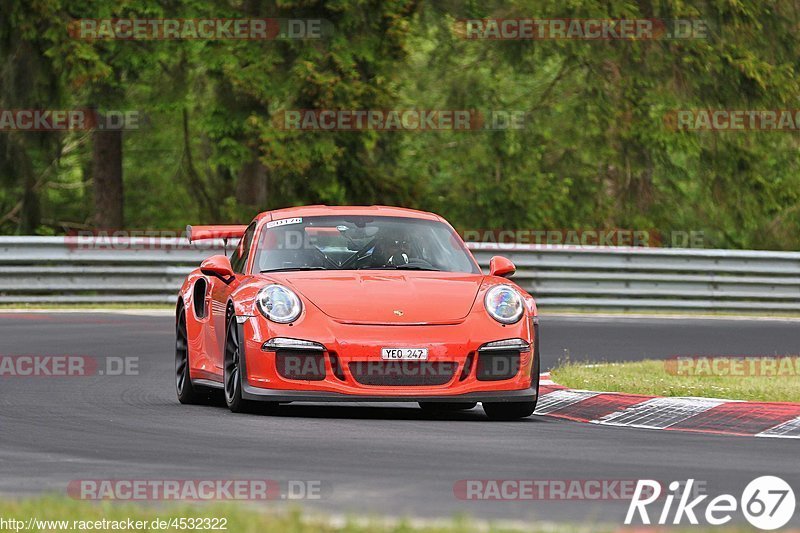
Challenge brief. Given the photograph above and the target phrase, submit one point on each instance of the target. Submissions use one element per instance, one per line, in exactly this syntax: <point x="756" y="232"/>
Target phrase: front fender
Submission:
<point x="244" y="297"/>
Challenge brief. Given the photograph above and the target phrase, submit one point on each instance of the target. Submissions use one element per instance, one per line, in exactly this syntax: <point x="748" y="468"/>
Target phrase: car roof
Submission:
<point x="338" y="210"/>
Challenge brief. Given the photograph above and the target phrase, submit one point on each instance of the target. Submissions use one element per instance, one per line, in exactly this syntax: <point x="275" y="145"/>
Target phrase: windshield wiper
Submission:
<point x="415" y="267"/>
<point x="402" y="267"/>
<point x="293" y="269"/>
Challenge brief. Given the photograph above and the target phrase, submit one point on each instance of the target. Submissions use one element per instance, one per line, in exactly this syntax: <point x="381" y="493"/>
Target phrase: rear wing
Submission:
<point x="204" y="233"/>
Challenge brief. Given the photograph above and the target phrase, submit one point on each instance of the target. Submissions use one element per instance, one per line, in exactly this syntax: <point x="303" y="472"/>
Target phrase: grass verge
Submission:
<point x="231" y="517"/>
<point x="664" y="378"/>
<point x="75" y="515"/>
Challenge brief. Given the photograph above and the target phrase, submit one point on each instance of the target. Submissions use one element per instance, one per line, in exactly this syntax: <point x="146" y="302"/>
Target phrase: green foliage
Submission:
<point x="594" y="152"/>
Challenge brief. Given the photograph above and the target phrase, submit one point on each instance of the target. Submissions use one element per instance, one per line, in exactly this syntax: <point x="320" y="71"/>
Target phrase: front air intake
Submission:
<point x="300" y="365"/>
<point x="497" y="365"/>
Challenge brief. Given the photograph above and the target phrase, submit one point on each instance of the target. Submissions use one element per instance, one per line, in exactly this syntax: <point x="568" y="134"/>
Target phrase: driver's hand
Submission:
<point x="398" y="259"/>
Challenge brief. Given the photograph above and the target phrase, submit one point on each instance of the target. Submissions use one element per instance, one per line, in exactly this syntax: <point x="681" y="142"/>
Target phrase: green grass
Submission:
<point x="239" y="517"/>
<point x="658" y="378"/>
<point x="252" y="518"/>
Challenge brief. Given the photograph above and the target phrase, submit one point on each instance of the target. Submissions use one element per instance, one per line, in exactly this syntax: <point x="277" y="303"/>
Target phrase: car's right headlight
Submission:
<point x="279" y="304"/>
<point x="504" y="304"/>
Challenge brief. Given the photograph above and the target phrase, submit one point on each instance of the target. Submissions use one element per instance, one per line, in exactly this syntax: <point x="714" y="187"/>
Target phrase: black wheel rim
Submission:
<point x="231" y="363"/>
<point x="181" y="353"/>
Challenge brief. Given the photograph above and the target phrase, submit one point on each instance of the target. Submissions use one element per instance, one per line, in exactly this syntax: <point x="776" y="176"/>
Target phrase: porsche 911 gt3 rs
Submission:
<point x="363" y="304"/>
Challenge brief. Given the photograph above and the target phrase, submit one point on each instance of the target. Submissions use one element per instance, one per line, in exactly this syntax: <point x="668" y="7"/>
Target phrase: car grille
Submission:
<point x="402" y="373"/>
<point x="497" y="365"/>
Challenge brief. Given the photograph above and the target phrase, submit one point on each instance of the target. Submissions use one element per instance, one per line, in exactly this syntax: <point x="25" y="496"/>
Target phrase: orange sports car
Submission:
<point x="355" y="304"/>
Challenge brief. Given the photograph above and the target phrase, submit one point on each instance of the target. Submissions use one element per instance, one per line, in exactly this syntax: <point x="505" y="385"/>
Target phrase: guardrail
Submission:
<point x="66" y="270"/>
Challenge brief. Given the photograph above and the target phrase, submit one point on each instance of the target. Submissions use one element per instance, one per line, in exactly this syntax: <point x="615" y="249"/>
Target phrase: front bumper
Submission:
<point x="346" y="346"/>
<point x="277" y="395"/>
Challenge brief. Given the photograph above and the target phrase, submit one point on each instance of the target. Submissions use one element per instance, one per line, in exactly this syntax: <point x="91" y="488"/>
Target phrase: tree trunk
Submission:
<point x="197" y="185"/>
<point x="107" y="175"/>
<point x="31" y="216"/>
<point x="251" y="187"/>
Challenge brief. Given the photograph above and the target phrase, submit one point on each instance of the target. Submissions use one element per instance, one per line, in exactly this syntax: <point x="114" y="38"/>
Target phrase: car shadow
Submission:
<point x="356" y="411"/>
<point x="370" y="412"/>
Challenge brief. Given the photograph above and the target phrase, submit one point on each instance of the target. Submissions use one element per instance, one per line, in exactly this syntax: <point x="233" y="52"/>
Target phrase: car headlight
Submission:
<point x="279" y="304"/>
<point x="504" y="304"/>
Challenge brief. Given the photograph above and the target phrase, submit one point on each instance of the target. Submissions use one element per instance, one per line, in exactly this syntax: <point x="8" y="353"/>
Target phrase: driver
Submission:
<point x="391" y="249"/>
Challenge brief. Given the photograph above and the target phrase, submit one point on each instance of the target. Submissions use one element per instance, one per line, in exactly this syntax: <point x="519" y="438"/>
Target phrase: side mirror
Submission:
<point x="500" y="266"/>
<point x="217" y="265"/>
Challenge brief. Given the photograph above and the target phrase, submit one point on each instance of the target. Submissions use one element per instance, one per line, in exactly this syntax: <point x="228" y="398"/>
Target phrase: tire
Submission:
<point x="187" y="393"/>
<point x="509" y="410"/>
<point x="505" y="411"/>
<point x="446" y="407"/>
<point x="232" y="375"/>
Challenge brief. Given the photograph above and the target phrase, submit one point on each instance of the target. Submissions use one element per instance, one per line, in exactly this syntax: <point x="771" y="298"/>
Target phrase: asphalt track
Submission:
<point x="386" y="459"/>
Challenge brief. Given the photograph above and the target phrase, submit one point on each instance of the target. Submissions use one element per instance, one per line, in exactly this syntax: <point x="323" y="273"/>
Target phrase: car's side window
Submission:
<point x="242" y="252"/>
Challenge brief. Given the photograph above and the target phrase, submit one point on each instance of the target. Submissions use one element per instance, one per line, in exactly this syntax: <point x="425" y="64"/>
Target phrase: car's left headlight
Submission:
<point x="279" y="304"/>
<point x="504" y="304"/>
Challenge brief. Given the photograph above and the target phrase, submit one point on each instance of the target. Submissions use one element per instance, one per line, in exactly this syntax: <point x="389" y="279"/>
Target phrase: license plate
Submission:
<point x="404" y="354"/>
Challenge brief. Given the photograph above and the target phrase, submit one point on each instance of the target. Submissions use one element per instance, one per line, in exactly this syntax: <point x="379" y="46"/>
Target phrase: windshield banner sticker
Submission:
<point x="284" y="222"/>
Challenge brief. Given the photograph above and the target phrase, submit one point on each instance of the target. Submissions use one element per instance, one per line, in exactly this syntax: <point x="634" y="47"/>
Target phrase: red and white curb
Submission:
<point x="698" y="415"/>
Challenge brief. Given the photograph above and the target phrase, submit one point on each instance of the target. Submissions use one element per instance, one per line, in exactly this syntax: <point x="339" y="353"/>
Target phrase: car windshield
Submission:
<point x="361" y="243"/>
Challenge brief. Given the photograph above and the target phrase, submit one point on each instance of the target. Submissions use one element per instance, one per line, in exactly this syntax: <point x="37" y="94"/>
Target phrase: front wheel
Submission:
<point x="232" y="376"/>
<point x="517" y="410"/>
<point x="187" y="393"/>
<point x="509" y="410"/>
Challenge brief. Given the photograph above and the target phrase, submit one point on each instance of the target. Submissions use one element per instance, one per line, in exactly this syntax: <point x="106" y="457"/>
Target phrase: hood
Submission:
<point x="379" y="297"/>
